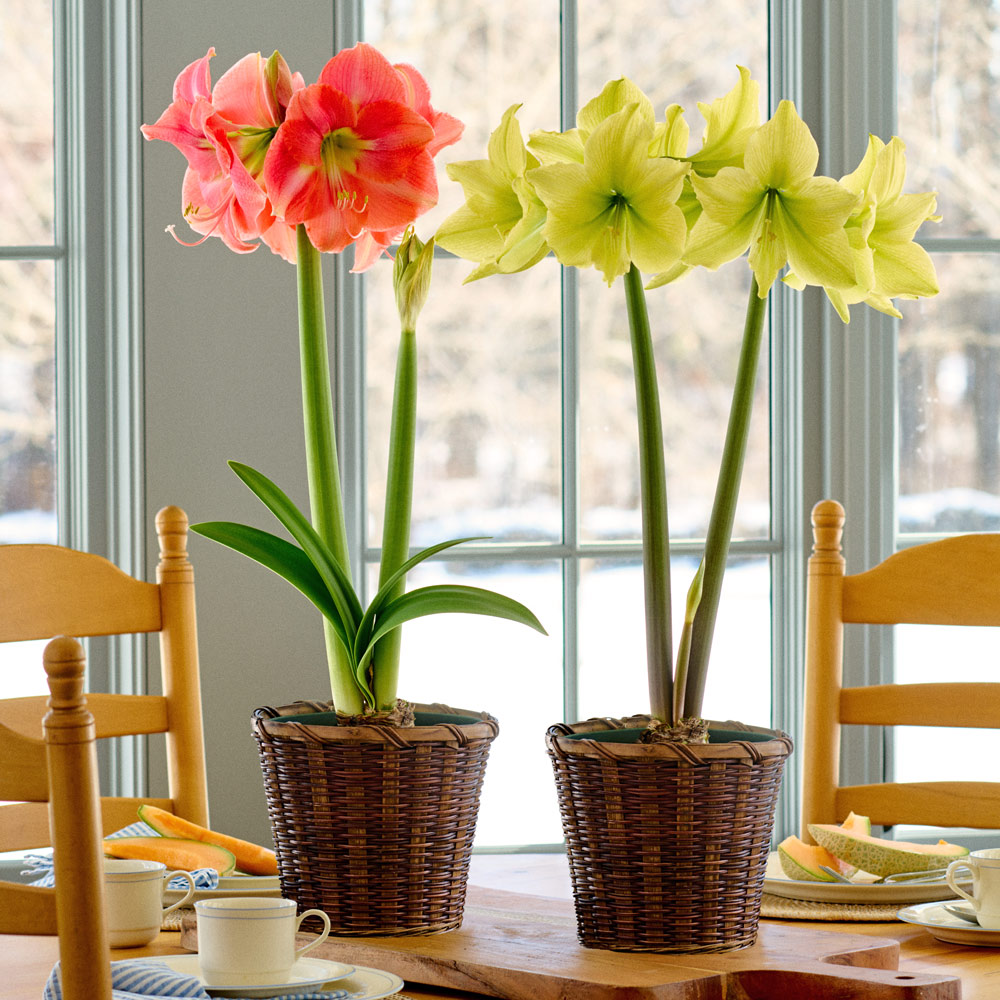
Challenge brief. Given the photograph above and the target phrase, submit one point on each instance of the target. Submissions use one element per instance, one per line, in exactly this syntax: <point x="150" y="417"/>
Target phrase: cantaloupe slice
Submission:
<point x="174" y="852"/>
<point x="802" y="861"/>
<point x="250" y="858"/>
<point x="883" y="857"/>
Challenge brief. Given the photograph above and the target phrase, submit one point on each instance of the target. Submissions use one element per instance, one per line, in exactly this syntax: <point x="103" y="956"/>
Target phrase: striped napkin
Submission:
<point x="41" y="864"/>
<point x="152" y="980"/>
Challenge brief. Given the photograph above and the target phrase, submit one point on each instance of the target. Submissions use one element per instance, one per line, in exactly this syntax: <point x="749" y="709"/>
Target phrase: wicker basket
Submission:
<point x="667" y="843"/>
<point x="374" y="824"/>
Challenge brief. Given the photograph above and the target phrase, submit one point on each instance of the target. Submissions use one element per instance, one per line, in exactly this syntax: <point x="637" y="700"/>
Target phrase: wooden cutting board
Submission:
<point x="523" y="947"/>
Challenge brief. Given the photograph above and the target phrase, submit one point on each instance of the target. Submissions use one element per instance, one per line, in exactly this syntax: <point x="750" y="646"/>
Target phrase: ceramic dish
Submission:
<point x="231" y="885"/>
<point x="357" y="983"/>
<point x="947" y="927"/>
<point x="778" y="884"/>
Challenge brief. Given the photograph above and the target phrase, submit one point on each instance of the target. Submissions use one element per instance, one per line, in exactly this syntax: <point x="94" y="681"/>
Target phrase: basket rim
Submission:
<point x="270" y="723"/>
<point x="779" y="747"/>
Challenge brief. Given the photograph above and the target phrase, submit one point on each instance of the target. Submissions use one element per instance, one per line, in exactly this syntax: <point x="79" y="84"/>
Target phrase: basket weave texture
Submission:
<point x="667" y="843"/>
<point x="374" y="824"/>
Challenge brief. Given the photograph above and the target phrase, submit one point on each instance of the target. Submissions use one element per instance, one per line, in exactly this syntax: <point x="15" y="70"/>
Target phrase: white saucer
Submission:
<point x="231" y="885"/>
<point x="947" y="927"/>
<point x="307" y="972"/>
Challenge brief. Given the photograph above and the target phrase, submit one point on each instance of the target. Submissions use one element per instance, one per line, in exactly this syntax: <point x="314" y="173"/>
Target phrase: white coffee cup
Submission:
<point x="250" y="940"/>
<point x="134" y="898"/>
<point x="985" y="898"/>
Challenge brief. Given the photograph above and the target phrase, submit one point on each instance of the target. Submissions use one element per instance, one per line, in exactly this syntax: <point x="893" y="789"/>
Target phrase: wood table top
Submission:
<point x="25" y="961"/>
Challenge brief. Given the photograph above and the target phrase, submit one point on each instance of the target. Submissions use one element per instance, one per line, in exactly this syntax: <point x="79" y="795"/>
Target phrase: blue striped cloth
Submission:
<point x="41" y="864"/>
<point x="152" y="980"/>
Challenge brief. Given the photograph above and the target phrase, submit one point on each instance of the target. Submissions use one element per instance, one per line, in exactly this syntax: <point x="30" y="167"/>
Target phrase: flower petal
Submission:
<point x="782" y="152"/>
<point x="364" y="75"/>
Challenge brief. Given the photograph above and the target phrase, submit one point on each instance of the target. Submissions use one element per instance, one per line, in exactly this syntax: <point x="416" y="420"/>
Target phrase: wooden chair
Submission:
<point x="61" y="770"/>
<point x="47" y="590"/>
<point x="955" y="581"/>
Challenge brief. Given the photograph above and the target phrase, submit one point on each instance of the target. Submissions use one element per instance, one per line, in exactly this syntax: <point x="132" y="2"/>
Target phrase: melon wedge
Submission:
<point x="884" y="857"/>
<point x="250" y="858"/>
<point x="175" y="853"/>
<point x="802" y="861"/>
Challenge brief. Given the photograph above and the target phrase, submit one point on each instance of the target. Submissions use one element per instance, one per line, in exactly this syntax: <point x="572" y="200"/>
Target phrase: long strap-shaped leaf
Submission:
<point x="445" y="599"/>
<point x="385" y="592"/>
<point x="283" y="558"/>
<point x="319" y="553"/>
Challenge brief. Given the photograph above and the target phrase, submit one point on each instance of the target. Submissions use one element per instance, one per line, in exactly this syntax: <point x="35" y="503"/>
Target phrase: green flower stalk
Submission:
<point x="363" y="644"/>
<point x="619" y="192"/>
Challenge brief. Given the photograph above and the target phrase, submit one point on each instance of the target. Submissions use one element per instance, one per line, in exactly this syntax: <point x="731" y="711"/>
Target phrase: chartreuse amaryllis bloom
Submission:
<point x="775" y="207"/>
<point x="500" y="224"/>
<point x="619" y="206"/>
<point x="881" y="228"/>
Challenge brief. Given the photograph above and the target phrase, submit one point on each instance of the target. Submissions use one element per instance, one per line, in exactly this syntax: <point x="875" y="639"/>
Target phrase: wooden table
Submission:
<point x="26" y="961"/>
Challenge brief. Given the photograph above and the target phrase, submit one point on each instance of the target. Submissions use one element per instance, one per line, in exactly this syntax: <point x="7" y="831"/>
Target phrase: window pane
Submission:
<point x="479" y="59"/>
<point x="27" y="436"/>
<point x="613" y="640"/>
<point x="489" y="405"/>
<point x="26" y="110"/>
<point x="687" y="53"/>
<point x="27" y="401"/>
<point x="970" y="654"/>
<point x="949" y="400"/>
<point x="948" y="71"/>
<point x="512" y="672"/>
<point x="697" y="326"/>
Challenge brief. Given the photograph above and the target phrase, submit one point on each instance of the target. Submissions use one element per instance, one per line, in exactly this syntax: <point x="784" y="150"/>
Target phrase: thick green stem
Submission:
<point x="398" y="503"/>
<point x="727" y="491"/>
<point x="653" y="496"/>
<point x="325" y="497"/>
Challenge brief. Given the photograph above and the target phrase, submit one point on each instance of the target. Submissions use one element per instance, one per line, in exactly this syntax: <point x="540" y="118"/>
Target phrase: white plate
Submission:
<point x="947" y="927"/>
<point x="359" y="982"/>
<point x="778" y="884"/>
<point x="231" y="885"/>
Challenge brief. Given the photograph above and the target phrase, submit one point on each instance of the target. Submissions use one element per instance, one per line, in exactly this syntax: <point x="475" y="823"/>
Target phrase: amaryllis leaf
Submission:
<point x="447" y="599"/>
<point x="283" y="558"/>
<point x="313" y="546"/>
<point x="385" y="591"/>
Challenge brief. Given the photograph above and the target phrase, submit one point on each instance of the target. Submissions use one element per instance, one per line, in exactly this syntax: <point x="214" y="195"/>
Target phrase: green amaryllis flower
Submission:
<point x="500" y="224"/>
<point x="887" y="263"/>
<point x="617" y="95"/>
<point x="730" y="121"/>
<point x="776" y="207"/>
<point x="619" y="206"/>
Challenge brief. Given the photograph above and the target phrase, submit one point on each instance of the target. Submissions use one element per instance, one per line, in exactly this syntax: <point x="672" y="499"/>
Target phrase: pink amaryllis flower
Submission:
<point x="353" y="160"/>
<point x="224" y="133"/>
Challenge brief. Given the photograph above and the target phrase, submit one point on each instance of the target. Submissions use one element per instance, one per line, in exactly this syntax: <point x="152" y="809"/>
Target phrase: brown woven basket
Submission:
<point x="374" y="824"/>
<point x="667" y="843"/>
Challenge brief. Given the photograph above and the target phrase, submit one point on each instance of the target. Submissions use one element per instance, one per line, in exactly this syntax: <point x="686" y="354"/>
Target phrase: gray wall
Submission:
<point x="221" y="382"/>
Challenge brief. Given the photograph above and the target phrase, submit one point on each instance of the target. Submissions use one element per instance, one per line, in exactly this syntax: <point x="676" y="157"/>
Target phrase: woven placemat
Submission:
<point x="804" y="909"/>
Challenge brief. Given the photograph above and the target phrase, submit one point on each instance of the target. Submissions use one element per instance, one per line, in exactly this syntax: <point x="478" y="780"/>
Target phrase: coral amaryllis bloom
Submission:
<point x="353" y="155"/>
<point x="224" y="133"/>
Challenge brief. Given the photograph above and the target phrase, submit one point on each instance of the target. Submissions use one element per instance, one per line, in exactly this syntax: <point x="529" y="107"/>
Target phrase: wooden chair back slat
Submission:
<point x="955" y="581"/>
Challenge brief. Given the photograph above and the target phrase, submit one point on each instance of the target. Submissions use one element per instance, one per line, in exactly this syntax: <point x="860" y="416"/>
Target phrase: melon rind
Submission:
<point x="801" y="861"/>
<point x="884" y="857"/>
<point x="175" y="853"/>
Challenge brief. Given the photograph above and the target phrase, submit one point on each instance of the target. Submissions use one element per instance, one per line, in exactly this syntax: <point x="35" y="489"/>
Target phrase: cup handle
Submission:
<point x="187" y="895"/>
<point x="322" y="937"/>
<point x="953" y="885"/>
